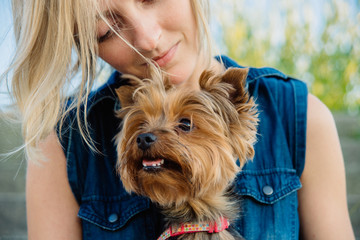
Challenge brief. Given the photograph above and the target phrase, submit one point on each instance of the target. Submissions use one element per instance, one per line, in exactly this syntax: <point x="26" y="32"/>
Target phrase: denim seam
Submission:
<point x="270" y="72"/>
<point x="295" y="125"/>
<point x="123" y="219"/>
<point x="268" y="171"/>
<point x="108" y="199"/>
<point x="293" y="220"/>
<point x="274" y="197"/>
<point x="300" y="116"/>
<point x="266" y="75"/>
<point x="74" y="185"/>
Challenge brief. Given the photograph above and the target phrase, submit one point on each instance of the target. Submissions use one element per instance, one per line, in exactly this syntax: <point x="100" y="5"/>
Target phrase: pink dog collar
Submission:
<point x="195" y="227"/>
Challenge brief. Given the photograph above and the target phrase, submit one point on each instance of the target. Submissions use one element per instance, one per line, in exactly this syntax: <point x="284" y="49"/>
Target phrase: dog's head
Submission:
<point x="176" y="144"/>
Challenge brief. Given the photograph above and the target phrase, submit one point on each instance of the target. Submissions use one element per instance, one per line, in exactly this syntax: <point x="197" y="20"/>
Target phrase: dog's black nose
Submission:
<point x="145" y="140"/>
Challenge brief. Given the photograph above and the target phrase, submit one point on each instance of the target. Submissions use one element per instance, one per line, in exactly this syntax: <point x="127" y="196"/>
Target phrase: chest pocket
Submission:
<point x="268" y="203"/>
<point x="267" y="186"/>
<point x="117" y="218"/>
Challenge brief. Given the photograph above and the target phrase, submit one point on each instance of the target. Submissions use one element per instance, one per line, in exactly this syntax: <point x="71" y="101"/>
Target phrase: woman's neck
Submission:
<point x="214" y="65"/>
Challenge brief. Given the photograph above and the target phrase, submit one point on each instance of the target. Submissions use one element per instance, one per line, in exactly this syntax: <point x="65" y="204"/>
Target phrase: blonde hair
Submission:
<point x="55" y="39"/>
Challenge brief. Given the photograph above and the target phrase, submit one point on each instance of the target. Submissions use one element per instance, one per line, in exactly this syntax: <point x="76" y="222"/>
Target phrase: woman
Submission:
<point x="294" y="188"/>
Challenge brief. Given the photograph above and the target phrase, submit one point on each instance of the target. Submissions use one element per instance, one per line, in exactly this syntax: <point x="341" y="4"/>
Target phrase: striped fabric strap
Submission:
<point x="195" y="227"/>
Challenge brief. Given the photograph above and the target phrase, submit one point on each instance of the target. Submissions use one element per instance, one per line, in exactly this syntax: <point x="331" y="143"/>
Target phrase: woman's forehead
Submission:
<point x="112" y="4"/>
<point x="106" y="8"/>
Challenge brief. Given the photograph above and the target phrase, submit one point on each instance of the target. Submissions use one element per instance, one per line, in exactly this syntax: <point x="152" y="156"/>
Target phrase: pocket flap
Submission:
<point x="112" y="213"/>
<point x="267" y="186"/>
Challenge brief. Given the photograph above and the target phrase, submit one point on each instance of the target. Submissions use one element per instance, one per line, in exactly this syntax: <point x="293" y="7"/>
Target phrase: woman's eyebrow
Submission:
<point x="107" y="14"/>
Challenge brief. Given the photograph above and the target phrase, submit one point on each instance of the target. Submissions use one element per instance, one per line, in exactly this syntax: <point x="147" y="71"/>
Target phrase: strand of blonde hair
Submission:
<point x="48" y="56"/>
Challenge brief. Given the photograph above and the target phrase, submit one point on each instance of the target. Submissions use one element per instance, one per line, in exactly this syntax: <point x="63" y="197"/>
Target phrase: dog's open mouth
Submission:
<point x="153" y="164"/>
<point x="157" y="164"/>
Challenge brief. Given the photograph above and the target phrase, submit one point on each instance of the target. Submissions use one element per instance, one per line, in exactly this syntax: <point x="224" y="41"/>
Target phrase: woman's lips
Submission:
<point x="165" y="58"/>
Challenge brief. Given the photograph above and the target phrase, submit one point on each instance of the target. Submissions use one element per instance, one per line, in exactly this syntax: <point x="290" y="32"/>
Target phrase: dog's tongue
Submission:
<point x="152" y="163"/>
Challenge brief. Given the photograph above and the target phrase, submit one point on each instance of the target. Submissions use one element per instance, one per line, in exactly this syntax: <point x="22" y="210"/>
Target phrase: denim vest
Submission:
<point x="266" y="187"/>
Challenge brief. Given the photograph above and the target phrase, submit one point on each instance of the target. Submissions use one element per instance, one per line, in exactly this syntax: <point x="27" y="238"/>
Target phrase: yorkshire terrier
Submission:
<point x="183" y="148"/>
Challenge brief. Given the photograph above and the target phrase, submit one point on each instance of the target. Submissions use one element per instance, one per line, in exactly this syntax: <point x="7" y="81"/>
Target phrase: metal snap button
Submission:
<point x="113" y="218"/>
<point x="268" y="190"/>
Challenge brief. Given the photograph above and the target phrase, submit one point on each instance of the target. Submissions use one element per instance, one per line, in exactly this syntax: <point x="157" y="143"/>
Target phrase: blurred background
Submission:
<point x="315" y="41"/>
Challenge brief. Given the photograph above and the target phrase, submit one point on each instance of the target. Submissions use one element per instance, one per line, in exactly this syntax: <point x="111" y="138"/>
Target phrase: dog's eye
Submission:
<point x="185" y="125"/>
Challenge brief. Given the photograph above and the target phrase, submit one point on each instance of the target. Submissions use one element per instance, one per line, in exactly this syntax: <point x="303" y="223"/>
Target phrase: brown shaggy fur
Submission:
<point x="200" y="161"/>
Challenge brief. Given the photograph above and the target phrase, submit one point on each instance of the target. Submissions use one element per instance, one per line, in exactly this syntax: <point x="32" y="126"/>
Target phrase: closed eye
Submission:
<point x="148" y="1"/>
<point x="108" y="27"/>
<point x="107" y="35"/>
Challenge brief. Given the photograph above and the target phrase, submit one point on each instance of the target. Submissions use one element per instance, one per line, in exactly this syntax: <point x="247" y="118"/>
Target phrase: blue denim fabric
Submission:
<point x="266" y="187"/>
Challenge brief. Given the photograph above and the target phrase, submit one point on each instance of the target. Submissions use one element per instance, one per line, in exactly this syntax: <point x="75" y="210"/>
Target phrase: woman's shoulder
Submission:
<point x="105" y="94"/>
<point x="271" y="180"/>
<point x="95" y="118"/>
<point x="268" y="77"/>
<point x="282" y="106"/>
<point x="97" y="149"/>
<point x="100" y="103"/>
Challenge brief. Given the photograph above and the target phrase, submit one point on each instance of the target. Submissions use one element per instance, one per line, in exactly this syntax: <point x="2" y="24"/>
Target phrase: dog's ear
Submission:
<point x="125" y="92"/>
<point x="243" y="130"/>
<point x="235" y="87"/>
<point x="206" y="78"/>
<point x="236" y="77"/>
<point x="167" y="83"/>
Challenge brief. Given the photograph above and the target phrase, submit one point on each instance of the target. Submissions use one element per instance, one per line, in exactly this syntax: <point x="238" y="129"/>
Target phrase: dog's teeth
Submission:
<point x="152" y="163"/>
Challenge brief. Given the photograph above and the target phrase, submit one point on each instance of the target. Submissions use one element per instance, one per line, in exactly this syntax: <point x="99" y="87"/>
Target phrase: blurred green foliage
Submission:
<point x="320" y="45"/>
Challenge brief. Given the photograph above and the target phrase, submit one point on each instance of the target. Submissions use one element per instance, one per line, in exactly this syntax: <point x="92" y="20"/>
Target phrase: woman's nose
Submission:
<point x="146" y="33"/>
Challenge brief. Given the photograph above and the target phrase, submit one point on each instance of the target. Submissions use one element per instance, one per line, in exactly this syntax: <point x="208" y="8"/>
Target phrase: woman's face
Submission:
<point x="163" y="30"/>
